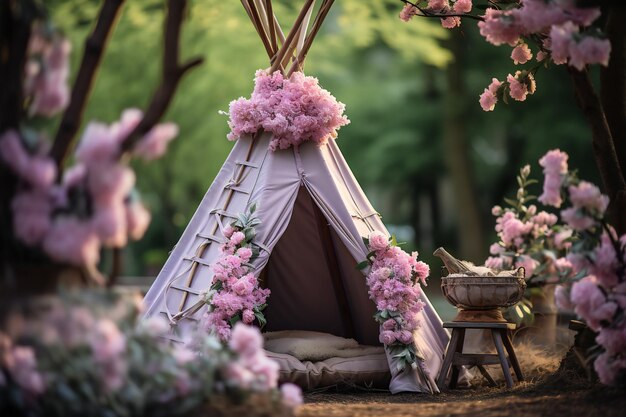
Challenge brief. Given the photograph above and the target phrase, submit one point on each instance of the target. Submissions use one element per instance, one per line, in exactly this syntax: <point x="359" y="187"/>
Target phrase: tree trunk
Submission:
<point x="603" y="147"/>
<point x="15" y="27"/>
<point x="456" y="156"/>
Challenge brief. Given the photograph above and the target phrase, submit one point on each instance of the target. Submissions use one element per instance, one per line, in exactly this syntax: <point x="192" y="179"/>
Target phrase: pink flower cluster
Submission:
<point x="253" y="370"/>
<point x="21" y="363"/>
<point x="588" y="203"/>
<point x="439" y="8"/>
<point x="554" y="165"/>
<point x="47" y="71"/>
<point x="294" y="110"/>
<point x="235" y="291"/>
<point x="393" y="282"/>
<point x="600" y="297"/>
<point x="519" y="239"/>
<point x="76" y="236"/>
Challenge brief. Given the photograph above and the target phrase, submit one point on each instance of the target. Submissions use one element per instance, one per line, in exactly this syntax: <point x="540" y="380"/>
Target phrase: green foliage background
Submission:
<point x="390" y="74"/>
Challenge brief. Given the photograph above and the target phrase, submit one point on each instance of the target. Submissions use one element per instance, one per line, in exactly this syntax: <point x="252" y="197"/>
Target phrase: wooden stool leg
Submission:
<point x="497" y="341"/>
<point x="487" y="376"/>
<point x="455" y="368"/>
<point x="447" y="361"/>
<point x="512" y="357"/>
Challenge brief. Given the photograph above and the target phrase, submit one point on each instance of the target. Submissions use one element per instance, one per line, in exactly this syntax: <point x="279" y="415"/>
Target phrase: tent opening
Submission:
<point x="313" y="279"/>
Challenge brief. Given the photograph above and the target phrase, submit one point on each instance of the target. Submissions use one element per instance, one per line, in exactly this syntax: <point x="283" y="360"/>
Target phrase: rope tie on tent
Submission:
<point x="212" y="238"/>
<point x="198" y="260"/>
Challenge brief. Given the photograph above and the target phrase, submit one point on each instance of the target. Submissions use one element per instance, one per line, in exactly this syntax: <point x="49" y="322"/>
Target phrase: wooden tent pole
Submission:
<point x="260" y="29"/>
<point x="319" y="19"/>
<point x="279" y="31"/>
<point x="303" y="30"/>
<point x="272" y="24"/>
<point x="289" y="56"/>
<point x="292" y="34"/>
<point x="260" y="7"/>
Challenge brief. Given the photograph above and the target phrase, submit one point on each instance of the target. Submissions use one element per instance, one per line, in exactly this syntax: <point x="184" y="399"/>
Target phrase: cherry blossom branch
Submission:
<point x="172" y="73"/>
<point x="426" y="13"/>
<point x="81" y="90"/>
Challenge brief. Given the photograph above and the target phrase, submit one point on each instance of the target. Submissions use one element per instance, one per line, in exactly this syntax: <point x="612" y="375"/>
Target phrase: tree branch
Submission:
<point x="81" y="90"/>
<point x="171" y="75"/>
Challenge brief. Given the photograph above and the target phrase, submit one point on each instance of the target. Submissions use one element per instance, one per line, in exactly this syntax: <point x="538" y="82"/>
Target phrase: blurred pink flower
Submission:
<point x="408" y="11"/>
<point x="46" y="82"/>
<point x="137" y="219"/>
<point x="451" y="22"/>
<point x="245" y="340"/>
<point x="23" y="368"/>
<point x="561" y="237"/>
<point x="107" y="341"/>
<point x="554" y="165"/>
<point x="588" y="196"/>
<point x="74" y="175"/>
<point x="31" y="216"/>
<point x="97" y="146"/>
<point x="562" y="298"/>
<point x="590" y="50"/>
<point x="591" y="304"/>
<point x="72" y="241"/>
<point x="291" y="395"/>
<point x="109" y="223"/>
<point x="438" y="4"/>
<point x="111" y="184"/>
<point x="462" y="6"/>
<point x="576" y="220"/>
<point x="154" y="144"/>
<point x="500" y="27"/>
<point x="561" y="39"/>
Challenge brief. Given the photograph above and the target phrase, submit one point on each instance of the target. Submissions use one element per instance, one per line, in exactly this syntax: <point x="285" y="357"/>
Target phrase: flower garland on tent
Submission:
<point x="294" y="110"/>
<point x="394" y="285"/>
<point x="235" y="294"/>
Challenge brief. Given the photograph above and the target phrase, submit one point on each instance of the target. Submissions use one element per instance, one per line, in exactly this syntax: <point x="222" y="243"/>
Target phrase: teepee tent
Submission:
<point x="313" y="216"/>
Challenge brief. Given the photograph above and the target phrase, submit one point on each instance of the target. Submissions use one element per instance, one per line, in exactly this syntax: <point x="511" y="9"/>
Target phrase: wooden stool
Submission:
<point x="455" y="357"/>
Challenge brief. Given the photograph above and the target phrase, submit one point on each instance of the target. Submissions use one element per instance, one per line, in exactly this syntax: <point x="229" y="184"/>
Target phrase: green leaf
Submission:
<point x="362" y="265"/>
<point x="366" y="241"/>
<point x="234" y="319"/>
<point x="510" y="202"/>
<point x="394" y="241"/>
<point x="260" y="318"/>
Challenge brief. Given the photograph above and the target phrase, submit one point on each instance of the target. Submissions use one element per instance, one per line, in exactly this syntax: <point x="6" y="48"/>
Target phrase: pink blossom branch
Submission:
<point x="426" y="13"/>
<point x="81" y="90"/>
<point x="172" y="73"/>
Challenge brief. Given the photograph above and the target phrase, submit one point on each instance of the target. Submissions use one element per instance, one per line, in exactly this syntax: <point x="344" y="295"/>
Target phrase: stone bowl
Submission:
<point x="483" y="293"/>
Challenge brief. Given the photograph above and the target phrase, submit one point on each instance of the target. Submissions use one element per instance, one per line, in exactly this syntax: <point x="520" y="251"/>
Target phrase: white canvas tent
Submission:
<point x="313" y="216"/>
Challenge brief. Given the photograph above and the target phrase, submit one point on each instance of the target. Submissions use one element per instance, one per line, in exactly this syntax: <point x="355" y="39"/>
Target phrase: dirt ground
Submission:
<point x="549" y="391"/>
<point x="541" y="399"/>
